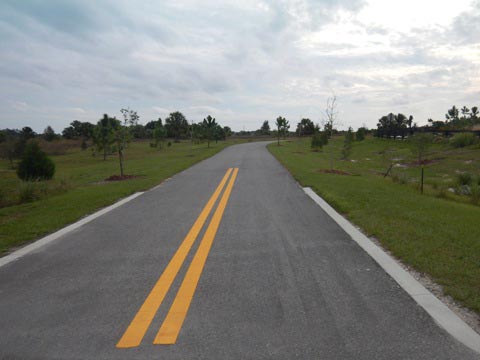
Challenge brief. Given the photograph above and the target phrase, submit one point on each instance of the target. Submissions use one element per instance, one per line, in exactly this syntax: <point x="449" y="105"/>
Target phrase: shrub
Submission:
<point x="318" y="140"/>
<point x="35" y="164"/>
<point x="464" y="178"/>
<point x="463" y="139"/>
<point x="360" y="134"/>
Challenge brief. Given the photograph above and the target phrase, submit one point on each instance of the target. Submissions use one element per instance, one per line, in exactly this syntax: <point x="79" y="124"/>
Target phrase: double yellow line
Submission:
<point x="173" y="322"/>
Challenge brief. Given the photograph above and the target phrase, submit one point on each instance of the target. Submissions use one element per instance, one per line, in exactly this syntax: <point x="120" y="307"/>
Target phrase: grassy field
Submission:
<point x="78" y="187"/>
<point x="437" y="233"/>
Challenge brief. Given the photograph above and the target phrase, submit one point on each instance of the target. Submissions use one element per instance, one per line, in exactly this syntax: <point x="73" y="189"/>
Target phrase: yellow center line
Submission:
<point x="172" y="325"/>
<point x="142" y="320"/>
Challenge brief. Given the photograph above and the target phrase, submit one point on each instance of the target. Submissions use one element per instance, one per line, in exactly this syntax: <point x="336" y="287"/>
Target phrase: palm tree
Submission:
<point x="209" y="124"/>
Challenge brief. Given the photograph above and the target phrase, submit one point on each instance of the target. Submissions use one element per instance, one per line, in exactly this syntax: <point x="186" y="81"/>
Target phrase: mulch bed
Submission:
<point x="338" y="172"/>
<point x="121" y="178"/>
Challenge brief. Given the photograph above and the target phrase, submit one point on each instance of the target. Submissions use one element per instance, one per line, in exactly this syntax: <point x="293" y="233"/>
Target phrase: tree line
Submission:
<point x="400" y="126"/>
<point x="109" y="135"/>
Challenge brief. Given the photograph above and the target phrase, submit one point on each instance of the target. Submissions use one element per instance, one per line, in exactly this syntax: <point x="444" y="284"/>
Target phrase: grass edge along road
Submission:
<point x="87" y="192"/>
<point x="435" y="236"/>
<point x="173" y="322"/>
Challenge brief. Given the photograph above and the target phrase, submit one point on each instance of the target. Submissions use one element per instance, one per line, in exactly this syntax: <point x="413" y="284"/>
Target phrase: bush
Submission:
<point x="464" y="178"/>
<point x="360" y="134"/>
<point x="463" y="139"/>
<point x="35" y="164"/>
<point x="318" y="140"/>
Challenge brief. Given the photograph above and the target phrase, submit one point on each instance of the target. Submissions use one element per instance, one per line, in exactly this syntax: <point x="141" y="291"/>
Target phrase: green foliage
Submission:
<point x="265" y="128"/>
<point x="209" y="125"/>
<point x="393" y="126"/>
<point x="319" y="139"/>
<point x="360" y="134"/>
<point x="305" y="127"/>
<point x="78" y="129"/>
<point x="464" y="178"/>
<point x="49" y="134"/>
<point x="463" y="139"/>
<point x="347" y="143"/>
<point x="35" y="164"/>
<point x="78" y="187"/>
<point x="176" y="125"/>
<point x="282" y="127"/>
<point x="104" y="134"/>
<point x="159" y="134"/>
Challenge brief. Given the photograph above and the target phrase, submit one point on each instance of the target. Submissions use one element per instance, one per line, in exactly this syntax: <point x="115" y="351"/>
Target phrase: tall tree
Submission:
<point x="452" y="114"/>
<point x="265" y="129"/>
<point x="49" y="134"/>
<point x="305" y="127"/>
<point x="209" y="124"/>
<point x="474" y="113"/>
<point x="176" y="125"/>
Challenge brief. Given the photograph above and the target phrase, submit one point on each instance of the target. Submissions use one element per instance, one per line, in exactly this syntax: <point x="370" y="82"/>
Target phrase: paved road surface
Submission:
<point x="281" y="280"/>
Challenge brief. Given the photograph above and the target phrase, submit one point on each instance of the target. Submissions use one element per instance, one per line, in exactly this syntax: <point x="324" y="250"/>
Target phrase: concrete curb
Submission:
<point x="442" y="315"/>
<point x="52" y="237"/>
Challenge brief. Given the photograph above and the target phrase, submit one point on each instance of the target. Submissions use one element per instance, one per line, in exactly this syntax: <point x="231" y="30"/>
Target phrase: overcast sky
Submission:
<point x="240" y="61"/>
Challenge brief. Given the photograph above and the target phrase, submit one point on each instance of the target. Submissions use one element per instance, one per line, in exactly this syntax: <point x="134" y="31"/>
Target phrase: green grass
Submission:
<point x="437" y="236"/>
<point x="78" y="187"/>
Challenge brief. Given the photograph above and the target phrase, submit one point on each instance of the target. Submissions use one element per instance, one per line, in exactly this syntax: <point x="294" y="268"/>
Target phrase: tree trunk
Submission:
<point x="120" y="158"/>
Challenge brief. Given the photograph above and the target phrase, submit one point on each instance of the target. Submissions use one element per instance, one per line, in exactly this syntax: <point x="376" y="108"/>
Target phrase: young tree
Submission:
<point x="319" y="139"/>
<point x="121" y="133"/>
<point x="104" y="134"/>
<point x="360" y="134"/>
<point x="227" y="131"/>
<point x="420" y="144"/>
<point x="159" y="134"/>
<point x="347" y="143"/>
<point x="218" y="133"/>
<point x="282" y="126"/>
<point x="35" y="164"/>
<point x="331" y="120"/>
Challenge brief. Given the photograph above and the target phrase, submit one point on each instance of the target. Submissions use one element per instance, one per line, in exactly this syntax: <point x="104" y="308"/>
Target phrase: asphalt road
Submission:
<point x="281" y="280"/>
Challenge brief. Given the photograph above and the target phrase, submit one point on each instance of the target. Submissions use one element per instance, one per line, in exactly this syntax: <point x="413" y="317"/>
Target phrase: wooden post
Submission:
<point x="421" y="185"/>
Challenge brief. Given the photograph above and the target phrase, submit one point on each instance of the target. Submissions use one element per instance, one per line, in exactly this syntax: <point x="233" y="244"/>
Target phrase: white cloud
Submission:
<point x="241" y="62"/>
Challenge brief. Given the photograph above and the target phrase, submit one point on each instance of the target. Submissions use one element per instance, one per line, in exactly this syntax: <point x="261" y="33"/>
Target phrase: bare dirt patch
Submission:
<point x="121" y="177"/>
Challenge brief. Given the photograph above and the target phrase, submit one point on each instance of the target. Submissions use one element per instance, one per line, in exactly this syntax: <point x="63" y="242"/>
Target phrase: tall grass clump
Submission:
<point x="463" y="139"/>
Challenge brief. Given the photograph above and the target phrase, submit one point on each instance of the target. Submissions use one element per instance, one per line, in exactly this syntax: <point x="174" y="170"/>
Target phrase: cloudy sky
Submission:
<point x="240" y="61"/>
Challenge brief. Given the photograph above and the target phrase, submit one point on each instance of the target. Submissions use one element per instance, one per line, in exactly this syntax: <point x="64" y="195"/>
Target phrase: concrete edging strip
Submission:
<point x="442" y="315"/>
<point x="54" y="236"/>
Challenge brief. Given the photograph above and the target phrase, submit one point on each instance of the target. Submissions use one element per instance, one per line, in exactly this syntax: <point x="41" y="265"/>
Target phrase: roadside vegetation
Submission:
<point x="376" y="183"/>
<point x="50" y="180"/>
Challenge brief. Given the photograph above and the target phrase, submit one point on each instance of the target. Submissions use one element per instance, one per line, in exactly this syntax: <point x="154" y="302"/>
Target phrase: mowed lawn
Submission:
<point x="437" y="233"/>
<point x="78" y="187"/>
